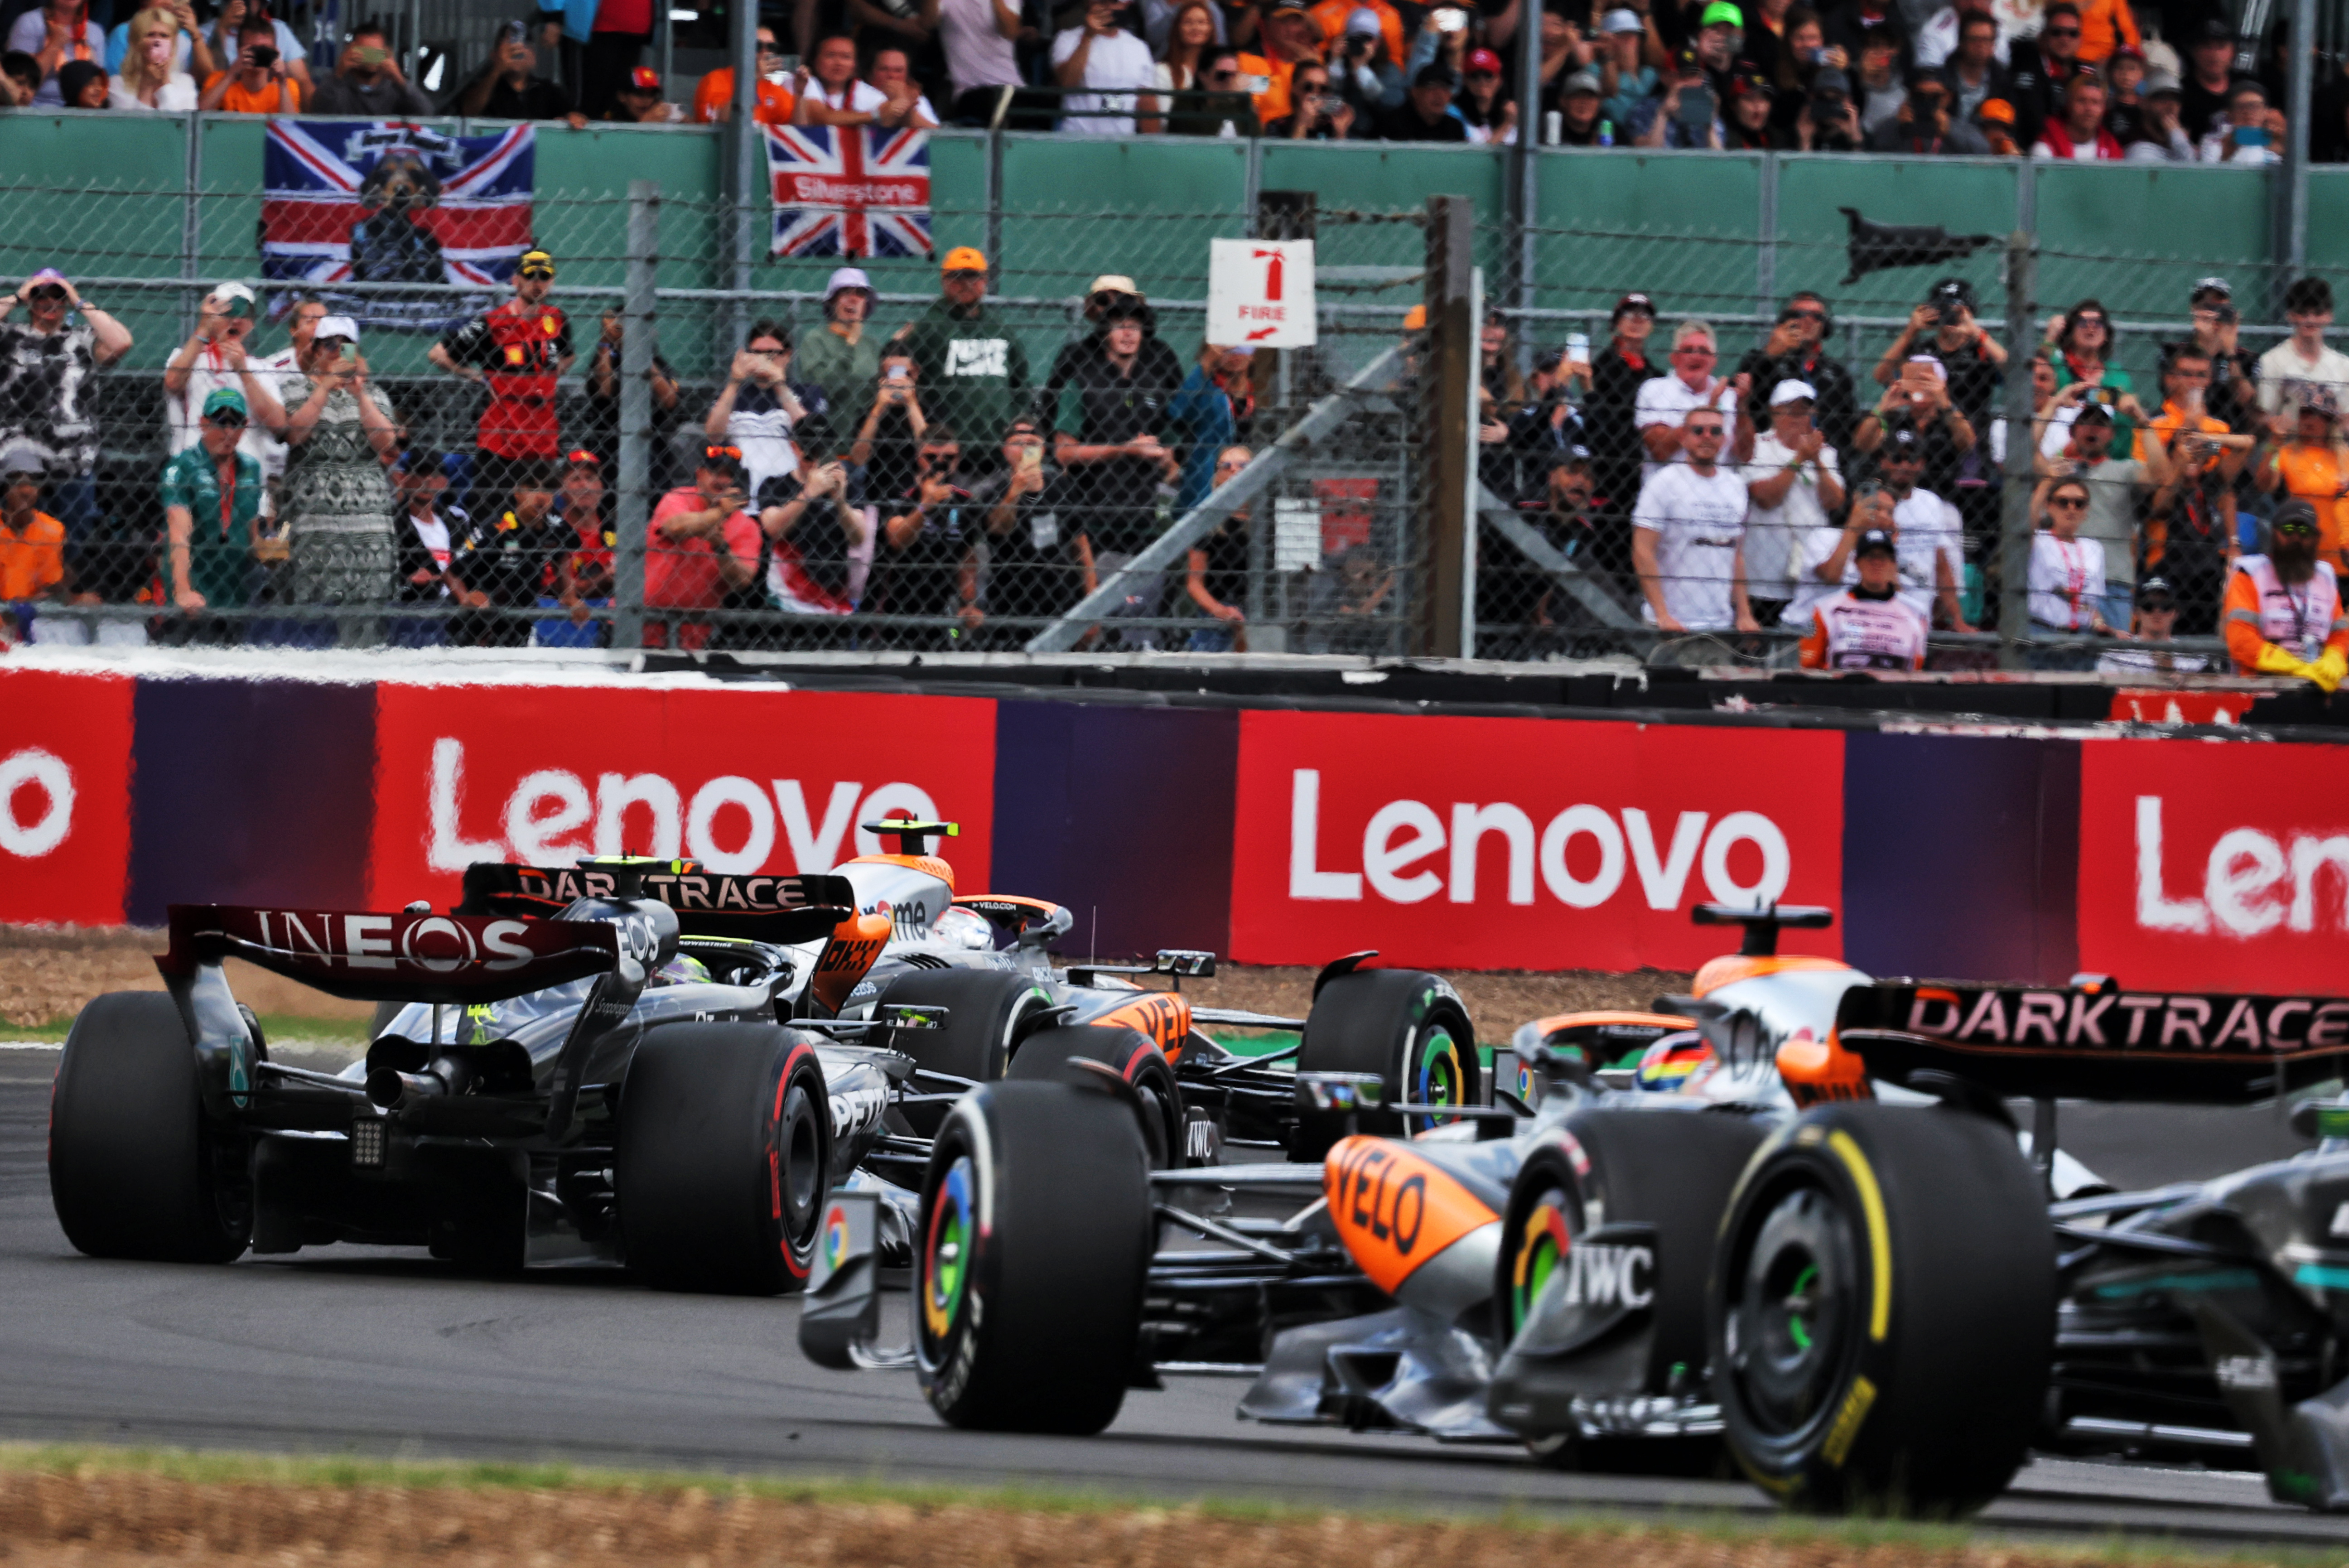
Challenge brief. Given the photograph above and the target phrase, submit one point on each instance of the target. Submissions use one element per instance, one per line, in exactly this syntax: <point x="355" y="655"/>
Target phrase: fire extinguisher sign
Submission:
<point x="1260" y="292"/>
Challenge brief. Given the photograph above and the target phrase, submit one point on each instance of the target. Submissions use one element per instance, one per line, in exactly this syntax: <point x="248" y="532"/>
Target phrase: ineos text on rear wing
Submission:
<point x="368" y="957"/>
<point x="2098" y="1043"/>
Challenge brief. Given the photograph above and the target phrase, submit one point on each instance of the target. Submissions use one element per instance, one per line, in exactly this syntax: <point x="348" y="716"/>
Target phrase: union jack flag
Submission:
<point x="850" y="190"/>
<point x="393" y="203"/>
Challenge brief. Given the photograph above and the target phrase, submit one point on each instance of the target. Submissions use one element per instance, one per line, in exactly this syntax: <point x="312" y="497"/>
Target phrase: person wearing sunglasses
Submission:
<point x="1797" y="350"/>
<point x="2045" y="67"/>
<point x="713" y="95"/>
<point x="1688" y="538"/>
<point x="1316" y="111"/>
<point x="516" y="351"/>
<point x="2149" y="648"/>
<point x="46" y="367"/>
<point x="2067" y="583"/>
<point x="2081" y="339"/>
<point x="1660" y="414"/>
<point x="2282" y="611"/>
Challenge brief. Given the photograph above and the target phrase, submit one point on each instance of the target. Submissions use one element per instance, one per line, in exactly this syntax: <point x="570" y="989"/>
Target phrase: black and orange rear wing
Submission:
<point x="786" y="910"/>
<point x="2096" y="1042"/>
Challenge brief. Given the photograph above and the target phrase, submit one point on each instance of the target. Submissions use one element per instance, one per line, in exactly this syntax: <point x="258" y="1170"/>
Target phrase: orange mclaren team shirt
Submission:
<point x="716" y="95"/>
<point x="282" y="96"/>
<point x="32" y="562"/>
<point x="2313" y="474"/>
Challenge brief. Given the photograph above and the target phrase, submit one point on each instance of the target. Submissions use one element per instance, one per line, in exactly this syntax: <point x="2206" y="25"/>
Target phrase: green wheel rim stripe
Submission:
<point x="945" y="1254"/>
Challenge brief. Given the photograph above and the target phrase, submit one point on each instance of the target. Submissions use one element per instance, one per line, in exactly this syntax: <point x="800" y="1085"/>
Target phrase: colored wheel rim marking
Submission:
<point x="1541" y="1253"/>
<point x="946" y="1252"/>
<point x="836" y="1237"/>
<point x="1440" y="1074"/>
<point x="1798" y="1330"/>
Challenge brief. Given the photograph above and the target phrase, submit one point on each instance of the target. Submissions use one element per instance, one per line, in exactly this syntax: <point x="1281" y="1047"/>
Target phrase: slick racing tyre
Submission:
<point x="135" y="1169"/>
<point x="1130" y="1053"/>
<point x="1029" y="1271"/>
<point x="1666" y="1168"/>
<point x="1884" y="1310"/>
<point x="987" y="1011"/>
<point x="1408" y="1027"/>
<point x="723" y="1157"/>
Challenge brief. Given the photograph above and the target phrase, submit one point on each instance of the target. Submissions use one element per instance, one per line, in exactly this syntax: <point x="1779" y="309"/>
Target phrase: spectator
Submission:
<point x="1368" y="69"/>
<point x="1352" y="20"/>
<point x="2081" y="339"/>
<point x="1579" y="111"/>
<point x="2302" y="364"/>
<point x="1426" y="114"/>
<point x="975" y="368"/>
<point x="889" y="438"/>
<point x="811" y="533"/>
<point x="1796" y="351"/>
<point x="1662" y="412"/>
<point x="1918" y="401"/>
<point x="2124" y="79"/>
<point x="1973" y="363"/>
<point x="1943" y="37"/>
<point x="701" y="545"/>
<point x="1488" y="110"/>
<point x="150" y="78"/>
<point x="584" y="505"/>
<point x="2211" y="49"/>
<point x="1829" y="120"/>
<point x="1975" y="71"/>
<point x="978" y="36"/>
<point x="2248" y="133"/>
<point x="925" y="559"/>
<point x="903" y="106"/>
<point x="2078" y="135"/>
<point x="1215" y="400"/>
<point x="190" y="53"/>
<point x="46" y="368"/>
<point x="1103" y="58"/>
<point x="1689" y="533"/>
<point x="2186" y="405"/>
<point x="222" y="43"/>
<point x="2107" y="26"/>
<point x="1031" y="529"/>
<point x="841" y="359"/>
<point x="514" y="564"/>
<point x="20" y="79"/>
<point x="217" y="356"/>
<point x="517" y="350"/>
<point x="1621" y="369"/>
<point x="1995" y="121"/>
<point x="1543" y="423"/>
<point x="2157" y="621"/>
<point x="212" y="509"/>
<point x="1190" y="34"/>
<point x="637" y="101"/>
<point x="1823" y="565"/>
<point x="713" y="95"/>
<point x="257" y="81"/>
<point x="1850" y="23"/>
<point x="2282" y="612"/>
<point x="602" y="432"/>
<point x="368" y="81"/>
<point x="1793" y="484"/>
<point x="1925" y="125"/>
<point x="2312" y="465"/>
<point x="1868" y="625"/>
<point x="1930" y="536"/>
<point x="877" y="25"/>
<point x="32" y="543"/>
<point x="301" y="325"/>
<point x="1116" y="456"/>
<point x="505" y="88"/>
<point x="424" y="543"/>
<point x="1752" y="125"/>
<point x="756" y="408"/>
<point x="2160" y="138"/>
<point x="1229" y="110"/>
<point x="57" y="33"/>
<point x="1216" y="571"/>
<point x="2234" y="395"/>
<point x="2043" y="69"/>
<point x="1877" y="85"/>
<point x="1689" y="114"/>
<point x="1626" y="79"/>
<point x="1519" y="612"/>
<point x="2115" y="486"/>
<point x="1315" y="112"/>
<point x="1291" y="37"/>
<point x="2191" y="520"/>
<point x="2067" y="573"/>
<point x="81" y="84"/>
<point x="342" y="434"/>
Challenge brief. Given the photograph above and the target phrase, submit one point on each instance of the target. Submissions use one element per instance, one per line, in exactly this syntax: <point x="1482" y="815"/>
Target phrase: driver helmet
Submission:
<point x="682" y="969"/>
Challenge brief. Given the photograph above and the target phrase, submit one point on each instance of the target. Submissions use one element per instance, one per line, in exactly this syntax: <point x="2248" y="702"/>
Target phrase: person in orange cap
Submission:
<point x="973" y="369"/>
<point x="1995" y="121"/>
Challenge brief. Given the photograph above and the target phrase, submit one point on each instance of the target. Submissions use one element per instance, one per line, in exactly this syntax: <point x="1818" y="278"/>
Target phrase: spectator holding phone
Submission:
<point x="813" y="533"/>
<point x="2249" y="134"/>
<point x="341" y="433"/>
<point x="713" y="94"/>
<point x="505" y="88"/>
<point x="222" y="41"/>
<point x="1829" y="122"/>
<point x="368" y="81"/>
<point x="257" y="82"/>
<point x="150" y="77"/>
<point x="215" y="356"/>
<point x="1367" y="65"/>
<point x="1925" y="124"/>
<point x="1032" y="524"/>
<point x="701" y="546"/>
<point x="1315" y="112"/>
<point x="756" y="410"/>
<point x="889" y="437"/>
<point x="2081" y="339"/>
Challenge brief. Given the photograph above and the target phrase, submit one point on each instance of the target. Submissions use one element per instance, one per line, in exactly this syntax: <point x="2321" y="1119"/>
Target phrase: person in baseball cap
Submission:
<point x="638" y="100"/>
<point x="972" y="368"/>
<point x="213" y="356"/>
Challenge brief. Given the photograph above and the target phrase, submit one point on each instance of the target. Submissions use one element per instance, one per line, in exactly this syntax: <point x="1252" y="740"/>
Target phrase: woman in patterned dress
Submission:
<point x="338" y="504"/>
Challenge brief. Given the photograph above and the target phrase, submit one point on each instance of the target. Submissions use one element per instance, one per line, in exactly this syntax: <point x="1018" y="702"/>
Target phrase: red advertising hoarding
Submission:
<point x="1511" y="844"/>
<point x="742" y="778"/>
<point x="2215" y="866"/>
<point x="65" y="796"/>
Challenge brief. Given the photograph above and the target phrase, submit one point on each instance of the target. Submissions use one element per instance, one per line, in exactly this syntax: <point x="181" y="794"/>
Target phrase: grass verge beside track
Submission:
<point x="90" y="1506"/>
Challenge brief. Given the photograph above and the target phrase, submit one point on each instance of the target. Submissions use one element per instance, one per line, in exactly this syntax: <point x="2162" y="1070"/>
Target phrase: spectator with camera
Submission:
<point x="1118" y="74"/>
<point x="149" y="76"/>
<point x="1972" y="361"/>
<point x="2302" y="365"/>
<point x="1925" y="125"/>
<point x="1315" y="112"/>
<point x="1796" y="350"/>
<point x="699" y="547"/>
<point x="1688" y="539"/>
<point x="46" y="368"/>
<point x="1032" y="524"/>
<point x="1543" y="422"/>
<point x="506" y="87"/>
<point x="1793" y="485"/>
<point x="256" y="81"/>
<point x="2081" y="342"/>
<point x="1426" y="114"/>
<point x="813" y="532"/>
<point x="340" y="434"/>
<point x="713" y="94"/>
<point x="215" y="356"/>
<point x="889" y="437"/>
<point x="603" y="421"/>
<point x="756" y="410"/>
<point x="2191" y="521"/>
<point x="1827" y="119"/>
<point x="925" y="557"/>
<point x="368" y="81"/>
<point x="1366" y="68"/>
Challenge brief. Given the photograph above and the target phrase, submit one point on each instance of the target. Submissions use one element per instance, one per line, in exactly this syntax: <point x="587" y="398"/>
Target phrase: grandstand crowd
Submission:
<point x="2074" y="80"/>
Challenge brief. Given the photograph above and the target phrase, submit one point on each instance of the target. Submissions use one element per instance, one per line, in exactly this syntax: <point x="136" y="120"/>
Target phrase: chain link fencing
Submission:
<point x="1338" y="546"/>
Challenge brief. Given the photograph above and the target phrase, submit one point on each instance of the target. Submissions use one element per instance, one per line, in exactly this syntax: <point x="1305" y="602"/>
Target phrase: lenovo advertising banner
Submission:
<point x="1515" y="843"/>
<point x="2216" y="866"/>
<point x="65" y="796"/>
<point x="743" y="779"/>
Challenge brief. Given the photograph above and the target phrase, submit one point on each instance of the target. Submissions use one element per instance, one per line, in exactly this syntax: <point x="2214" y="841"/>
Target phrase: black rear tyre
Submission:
<point x="1408" y="1027"/>
<point x="1884" y="1311"/>
<point x="1132" y="1055"/>
<point x="135" y="1169"/>
<point x="1036" y="1236"/>
<point x="721" y="1163"/>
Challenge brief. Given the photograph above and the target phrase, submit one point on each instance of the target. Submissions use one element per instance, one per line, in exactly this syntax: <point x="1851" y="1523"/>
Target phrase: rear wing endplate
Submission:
<point x="2096" y="1042"/>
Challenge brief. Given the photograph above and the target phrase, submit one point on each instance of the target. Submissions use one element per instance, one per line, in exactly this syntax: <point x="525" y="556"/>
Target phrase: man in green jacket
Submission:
<point x="974" y="373"/>
<point x="843" y="359"/>
<point x="211" y="497"/>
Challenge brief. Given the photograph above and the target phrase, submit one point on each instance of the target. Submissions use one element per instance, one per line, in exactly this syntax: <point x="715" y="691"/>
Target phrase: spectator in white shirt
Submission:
<point x="756" y="410"/>
<point x="1103" y="57"/>
<point x="2067" y="574"/>
<point x="2302" y="363"/>
<point x="829" y="94"/>
<point x="2247" y="134"/>
<point x="1688" y="534"/>
<point x="1659" y="413"/>
<point x="907" y="109"/>
<point x="1939" y="38"/>
<point x="215" y="358"/>
<point x="300" y="328"/>
<point x="1932" y="533"/>
<point x="1792" y="482"/>
<point x="150" y="79"/>
<point x="1826" y="558"/>
<point x="2160" y="138"/>
<point x="978" y="36"/>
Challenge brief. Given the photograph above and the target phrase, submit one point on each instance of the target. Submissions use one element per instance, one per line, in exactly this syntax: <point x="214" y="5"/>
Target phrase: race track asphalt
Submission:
<point x="381" y="1353"/>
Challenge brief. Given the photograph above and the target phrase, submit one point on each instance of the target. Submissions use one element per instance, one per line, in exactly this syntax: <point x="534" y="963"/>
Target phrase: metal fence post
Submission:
<point x="640" y="318"/>
<point x="1450" y="376"/>
<point x="2292" y="248"/>
<point x="1765" y="229"/>
<point x="749" y="151"/>
<point x="1528" y="207"/>
<point x="2022" y="441"/>
<point x="995" y="195"/>
<point x="1274" y="215"/>
<point x="192" y="224"/>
